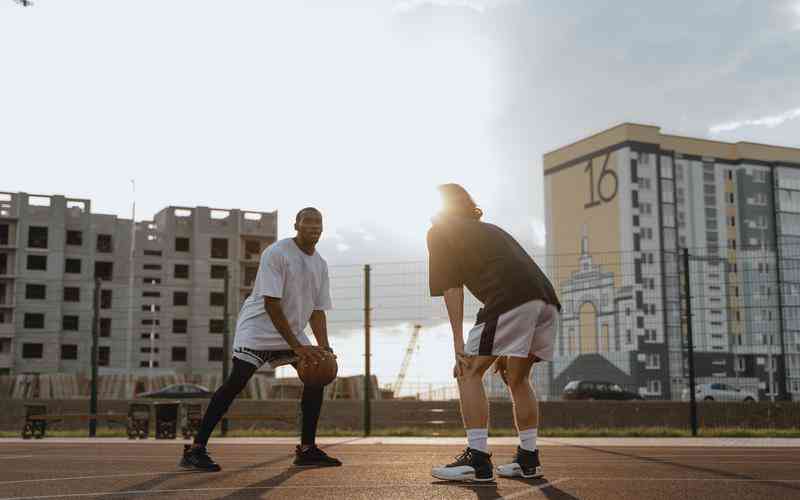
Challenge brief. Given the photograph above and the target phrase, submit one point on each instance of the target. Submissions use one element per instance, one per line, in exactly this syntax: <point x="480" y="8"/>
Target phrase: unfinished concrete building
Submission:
<point x="161" y="299"/>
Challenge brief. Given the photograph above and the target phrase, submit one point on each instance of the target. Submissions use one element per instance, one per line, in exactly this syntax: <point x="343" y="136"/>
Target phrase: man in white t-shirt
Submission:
<point x="291" y="290"/>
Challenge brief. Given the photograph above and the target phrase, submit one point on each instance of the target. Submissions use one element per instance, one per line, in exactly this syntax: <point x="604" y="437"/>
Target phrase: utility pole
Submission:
<point x="95" y="334"/>
<point x="690" y="342"/>
<point x="226" y="355"/>
<point x="367" y="354"/>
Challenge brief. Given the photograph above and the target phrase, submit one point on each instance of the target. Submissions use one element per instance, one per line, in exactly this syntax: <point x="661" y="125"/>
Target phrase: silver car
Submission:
<point x="720" y="392"/>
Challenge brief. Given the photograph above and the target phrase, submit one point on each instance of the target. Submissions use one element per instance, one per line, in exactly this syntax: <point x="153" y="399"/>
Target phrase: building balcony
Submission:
<point x="6" y="329"/>
<point x="6" y="360"/>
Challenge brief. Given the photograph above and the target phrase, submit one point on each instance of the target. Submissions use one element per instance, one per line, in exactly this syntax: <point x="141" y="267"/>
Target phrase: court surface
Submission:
<point x="376" y="468"/>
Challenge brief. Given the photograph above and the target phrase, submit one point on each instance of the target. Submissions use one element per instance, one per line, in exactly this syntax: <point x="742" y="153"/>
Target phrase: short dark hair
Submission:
<point x="457" y="201"/>
<point x="304" y="210"/>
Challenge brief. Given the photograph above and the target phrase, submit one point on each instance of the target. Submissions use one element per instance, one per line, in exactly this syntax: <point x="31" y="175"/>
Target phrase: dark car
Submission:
<point x="595" y="389"/>
<point x="179" y="391"/>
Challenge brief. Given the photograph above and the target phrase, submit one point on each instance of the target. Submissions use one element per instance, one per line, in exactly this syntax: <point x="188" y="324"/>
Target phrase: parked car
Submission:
<point x="595" y="389"/>
<point x="179" y="391"/>
<point x="720" y="392"/>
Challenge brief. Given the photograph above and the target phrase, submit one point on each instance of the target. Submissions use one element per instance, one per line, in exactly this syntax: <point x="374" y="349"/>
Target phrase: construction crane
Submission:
<point x="412" y="343"/>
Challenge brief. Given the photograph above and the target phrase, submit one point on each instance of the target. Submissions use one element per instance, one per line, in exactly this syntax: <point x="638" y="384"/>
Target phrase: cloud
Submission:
<point x="766" y="121"/>
<point x="479" y="6"/>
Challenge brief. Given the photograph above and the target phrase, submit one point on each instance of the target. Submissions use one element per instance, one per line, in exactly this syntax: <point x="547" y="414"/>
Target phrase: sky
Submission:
<point x="362" y="107"/>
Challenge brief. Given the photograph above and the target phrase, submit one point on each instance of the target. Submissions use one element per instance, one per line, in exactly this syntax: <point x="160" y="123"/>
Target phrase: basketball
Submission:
<point x="318" y="374"/>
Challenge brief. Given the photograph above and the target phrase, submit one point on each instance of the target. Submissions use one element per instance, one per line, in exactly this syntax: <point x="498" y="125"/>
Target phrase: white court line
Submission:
<point x="538" y="487"/>
<point x="282" y="487"/>
<point x="10" y="457"/>
<point x="78" y="478"/>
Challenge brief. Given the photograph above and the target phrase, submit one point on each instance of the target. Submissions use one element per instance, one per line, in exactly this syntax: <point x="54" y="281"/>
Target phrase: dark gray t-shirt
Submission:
<point x="489" y="262"/>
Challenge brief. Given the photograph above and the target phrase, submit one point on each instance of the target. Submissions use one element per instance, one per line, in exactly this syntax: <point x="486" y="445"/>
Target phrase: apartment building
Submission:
<point x="161" y="288"/>
<point x="615" y="253"/>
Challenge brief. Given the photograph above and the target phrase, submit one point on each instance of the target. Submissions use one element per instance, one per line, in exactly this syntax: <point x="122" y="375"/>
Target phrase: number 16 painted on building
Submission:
<point x="595" y="190"/>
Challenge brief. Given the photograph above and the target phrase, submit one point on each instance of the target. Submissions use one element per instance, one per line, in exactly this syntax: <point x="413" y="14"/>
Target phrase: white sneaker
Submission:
<point x="526" y="465"/>
<point x="472" y="465"/>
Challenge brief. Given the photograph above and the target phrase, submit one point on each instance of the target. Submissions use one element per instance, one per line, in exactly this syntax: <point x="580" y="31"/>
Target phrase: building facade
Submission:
<point x="621" y="206"/>
<point x="161" y="299"/>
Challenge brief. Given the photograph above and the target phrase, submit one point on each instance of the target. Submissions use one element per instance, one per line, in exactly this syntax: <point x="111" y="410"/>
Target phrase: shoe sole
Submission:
<point x="316" y="465"/>
<point x="519" y="473"/>
<point x="464" y="479"/>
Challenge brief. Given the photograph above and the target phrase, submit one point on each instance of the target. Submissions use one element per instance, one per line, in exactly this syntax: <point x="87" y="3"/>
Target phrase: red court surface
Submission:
<point x="396" y="468"/>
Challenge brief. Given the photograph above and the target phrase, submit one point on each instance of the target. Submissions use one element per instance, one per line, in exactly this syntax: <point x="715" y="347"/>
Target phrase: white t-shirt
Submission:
<point x="299" y="280"/>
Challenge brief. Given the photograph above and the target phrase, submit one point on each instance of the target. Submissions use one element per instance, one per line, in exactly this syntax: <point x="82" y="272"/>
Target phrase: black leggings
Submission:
<point x="310" y="404"/>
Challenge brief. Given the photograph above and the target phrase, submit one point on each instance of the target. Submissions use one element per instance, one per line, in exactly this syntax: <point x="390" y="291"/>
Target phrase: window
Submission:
<point x="217" y="299"/>
<point x="103" y="355"/>
<point x="180" y="298"/>
<point x="74" y="238"/>
<point x="35" y="292"/>
<point x="104" y="244"/>
<point x="644" y="183"/>
<point x="180" y="325"/>
<point x="104" y="270"/>
<point x="654" y="386"/>
<point x="153" y="253"/>
<point x="151" y="281"/>
<point x="218" y="272"/>
<point x="215" y="353"/>
<point x="37" y="237"/>
<point x="32" y="351"/>
<point x="72" y="294"/>
<point x="33" y="321"/>
<point x="150" y="308"/>
<point x="37" y="262"/>
<point x="69" y="323"/>
<point x="152" y="267"/>
<point x="216" y="325"/>
<point x="730" y="198"/>
<point x="252" y="249"/>
<point x="151" y="294"/>
<point x="3" y="234"/>
<point x="105" y="327"/>
<point x="219" y="248"/>
<point x="146" y="336"/>
<point x="181" y="244"/>
<point x="69" y="351"/>
<point x="178" y="354"/>
<point x="146" y="350"/>
<point x="151" y="322"/>
<point x="653" y="362"/>
<point x="181" y="271"/>
<point x="105" y="299"/>
<point x="72" y="266"/>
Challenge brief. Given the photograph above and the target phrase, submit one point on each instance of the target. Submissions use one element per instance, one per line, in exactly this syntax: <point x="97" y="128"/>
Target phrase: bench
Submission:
<point x="37" y="420"/>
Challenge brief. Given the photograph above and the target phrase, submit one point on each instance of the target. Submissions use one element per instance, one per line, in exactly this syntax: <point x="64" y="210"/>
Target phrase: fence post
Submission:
<point x="689" y="342"/>
<point x="367" y="354"/>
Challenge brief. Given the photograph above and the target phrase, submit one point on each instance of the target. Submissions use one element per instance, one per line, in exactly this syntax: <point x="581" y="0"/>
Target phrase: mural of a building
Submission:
<point x="620" y="207"/>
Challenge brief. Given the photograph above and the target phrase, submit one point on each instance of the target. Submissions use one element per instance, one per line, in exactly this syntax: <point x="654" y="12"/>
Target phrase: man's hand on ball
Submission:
<point x="311" y="354"/>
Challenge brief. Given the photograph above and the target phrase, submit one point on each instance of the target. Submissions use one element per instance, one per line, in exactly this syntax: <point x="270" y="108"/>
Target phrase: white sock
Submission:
<point x="477" y="439"/>
<point x="527" y="439"/>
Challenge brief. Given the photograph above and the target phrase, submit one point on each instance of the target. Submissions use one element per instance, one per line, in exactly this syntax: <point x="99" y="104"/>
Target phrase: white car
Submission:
<point x="720" y="392"/>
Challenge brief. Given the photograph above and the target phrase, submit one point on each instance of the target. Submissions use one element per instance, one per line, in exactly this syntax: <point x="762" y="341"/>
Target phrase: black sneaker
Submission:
<point x="526" y="464"/>
<point x="472" y="465"/>
<point x="313" y="457"/>
<point x="198" y="459"/>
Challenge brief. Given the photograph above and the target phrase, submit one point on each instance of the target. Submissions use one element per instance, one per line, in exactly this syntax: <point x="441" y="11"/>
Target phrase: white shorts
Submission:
<point x="526" y="329"/>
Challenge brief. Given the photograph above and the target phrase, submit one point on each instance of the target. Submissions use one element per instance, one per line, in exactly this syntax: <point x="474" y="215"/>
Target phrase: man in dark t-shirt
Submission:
<point x="515" y="327"/>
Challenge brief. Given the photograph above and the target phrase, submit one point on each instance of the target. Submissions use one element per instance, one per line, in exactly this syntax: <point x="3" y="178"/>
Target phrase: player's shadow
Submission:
<point x="483" y="491"/>
<point x="201" y="478"/>
<point x="663" y="461"/>
<point x="545" y="488"/>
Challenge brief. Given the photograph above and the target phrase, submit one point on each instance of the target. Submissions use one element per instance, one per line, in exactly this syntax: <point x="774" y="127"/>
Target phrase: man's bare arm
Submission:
<point x="454" y="300"/>
<point x="319" y="326"/>
<point x="275" y="312"/>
